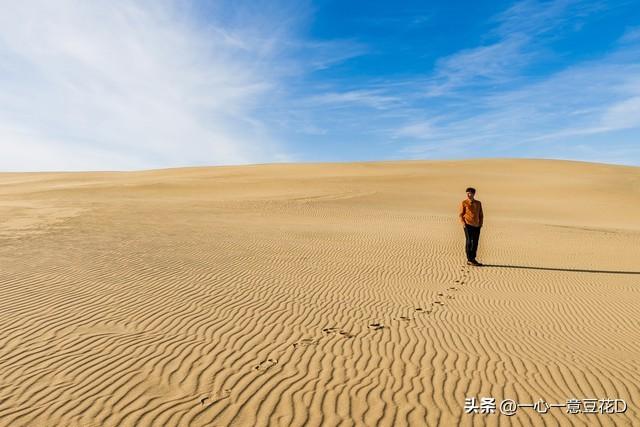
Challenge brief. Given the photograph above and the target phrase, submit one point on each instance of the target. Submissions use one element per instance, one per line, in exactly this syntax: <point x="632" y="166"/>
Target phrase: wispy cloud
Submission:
<point x="423" y="130"/>
<point x="155" y="83"/>
<point x="515" y="44"/>
<point x="371" y="98"/>
<point x="623" y="115"/>
<point x="549" y="18"/>
<point x="586" y="99"/>
<point x="632" y="35"/>
<point x="478" y="67"/>
<point x="89" y="85"/>
<point x="130" y="82"/>
<point x="492" y="99"/>
<point x="509" y="112"/>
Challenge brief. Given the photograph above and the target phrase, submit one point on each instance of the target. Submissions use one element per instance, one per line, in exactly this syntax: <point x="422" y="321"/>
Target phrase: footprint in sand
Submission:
<point x="420" y="309"/>
<point x="263" y="366"/>
<point x="342" y="332"/>
<point x="405" y="318"/>
<point x="305" y="342"/>
<point x="212" y="398"/>
<point x="376" y="326"/>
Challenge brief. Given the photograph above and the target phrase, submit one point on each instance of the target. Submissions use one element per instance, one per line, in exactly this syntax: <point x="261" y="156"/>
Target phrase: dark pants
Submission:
<point x="473" y="235"/>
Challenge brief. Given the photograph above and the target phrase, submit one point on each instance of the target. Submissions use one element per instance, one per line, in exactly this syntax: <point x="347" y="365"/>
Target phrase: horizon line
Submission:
<point x="474" y="159"/>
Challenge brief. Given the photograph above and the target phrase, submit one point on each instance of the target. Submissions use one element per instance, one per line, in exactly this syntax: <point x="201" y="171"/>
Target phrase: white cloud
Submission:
<point x="490" y="64"/>
<point x="120" y="85"/>
<point x="631" y="35"/>
<point x="418" y="130"/>
<point x="483" y="100"/>
<point x="369" y="98"/>
<point x="517" y="37"/>
<point x="546" y="117"/>
<point x="142" y="84"/>
<point x="535" y="18"/>
<point x="623" y="115"/>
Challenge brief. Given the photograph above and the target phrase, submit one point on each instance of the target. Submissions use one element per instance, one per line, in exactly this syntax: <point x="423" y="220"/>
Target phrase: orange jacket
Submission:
<point x="471" y="213"/>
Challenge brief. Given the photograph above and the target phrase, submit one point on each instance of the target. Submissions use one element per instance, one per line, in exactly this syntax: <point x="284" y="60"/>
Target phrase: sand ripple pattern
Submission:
<point x="168" y="302"/>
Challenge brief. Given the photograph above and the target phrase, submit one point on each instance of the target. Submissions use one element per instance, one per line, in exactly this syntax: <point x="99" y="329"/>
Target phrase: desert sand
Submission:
<point x="318" y="294"/>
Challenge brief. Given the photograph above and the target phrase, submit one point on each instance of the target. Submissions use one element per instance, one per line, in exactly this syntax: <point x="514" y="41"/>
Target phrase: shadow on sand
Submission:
<point x="562" y="269"/>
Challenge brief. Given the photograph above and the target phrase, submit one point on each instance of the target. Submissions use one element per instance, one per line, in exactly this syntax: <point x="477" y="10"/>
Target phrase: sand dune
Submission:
<point x="317" y="294"/>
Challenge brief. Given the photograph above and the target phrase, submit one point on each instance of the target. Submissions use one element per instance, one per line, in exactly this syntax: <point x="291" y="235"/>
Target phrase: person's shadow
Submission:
<point x="562" y="269"/>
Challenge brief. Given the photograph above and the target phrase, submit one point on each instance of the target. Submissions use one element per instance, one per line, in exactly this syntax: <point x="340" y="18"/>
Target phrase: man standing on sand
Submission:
<point x="471" y="217"/>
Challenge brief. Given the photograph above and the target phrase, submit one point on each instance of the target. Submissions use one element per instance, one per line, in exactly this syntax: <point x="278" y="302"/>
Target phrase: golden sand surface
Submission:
<point x="318" y="294"/>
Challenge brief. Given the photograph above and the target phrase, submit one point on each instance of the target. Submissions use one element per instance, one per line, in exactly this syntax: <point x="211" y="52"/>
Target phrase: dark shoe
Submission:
<point x="469" y="262"/>
<point x="476" y="263"/>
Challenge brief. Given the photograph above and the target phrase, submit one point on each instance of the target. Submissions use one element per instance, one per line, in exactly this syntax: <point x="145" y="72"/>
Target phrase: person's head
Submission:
<point x="471" y="192"/>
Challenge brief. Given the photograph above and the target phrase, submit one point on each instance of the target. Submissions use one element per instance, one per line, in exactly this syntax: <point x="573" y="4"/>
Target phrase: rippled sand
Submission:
<point x="318" y="294"/>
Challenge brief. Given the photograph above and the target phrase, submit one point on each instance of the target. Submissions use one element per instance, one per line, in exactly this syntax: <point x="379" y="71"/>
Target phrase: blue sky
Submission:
<point x="89" y="85"/>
